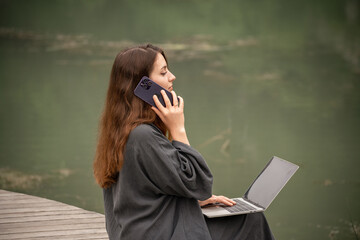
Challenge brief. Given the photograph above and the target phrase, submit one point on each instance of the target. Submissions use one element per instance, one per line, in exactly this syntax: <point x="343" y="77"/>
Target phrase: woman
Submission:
<point x="153" y="181"/>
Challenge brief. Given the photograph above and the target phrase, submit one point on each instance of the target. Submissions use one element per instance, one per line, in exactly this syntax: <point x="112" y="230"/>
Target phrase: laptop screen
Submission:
<point x="270" y="181"/>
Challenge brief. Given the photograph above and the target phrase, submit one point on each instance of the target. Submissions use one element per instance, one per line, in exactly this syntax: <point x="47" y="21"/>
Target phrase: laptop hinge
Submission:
<point x="259" y="206"/>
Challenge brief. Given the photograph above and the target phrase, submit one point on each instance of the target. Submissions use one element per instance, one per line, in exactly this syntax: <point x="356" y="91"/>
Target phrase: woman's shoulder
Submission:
<point x="145" y="132"/>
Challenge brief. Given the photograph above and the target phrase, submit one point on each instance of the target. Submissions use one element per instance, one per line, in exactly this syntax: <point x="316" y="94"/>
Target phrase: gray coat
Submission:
<point x="156" y="193"/>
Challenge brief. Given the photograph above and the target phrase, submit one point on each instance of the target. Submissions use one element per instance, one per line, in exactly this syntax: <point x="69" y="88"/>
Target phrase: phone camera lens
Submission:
<point x="146" y="84"/>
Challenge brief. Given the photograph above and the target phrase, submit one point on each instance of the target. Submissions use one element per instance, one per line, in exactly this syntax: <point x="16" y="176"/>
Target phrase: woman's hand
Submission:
<point x="217" y="199"/>
<point x="172" y="116"/>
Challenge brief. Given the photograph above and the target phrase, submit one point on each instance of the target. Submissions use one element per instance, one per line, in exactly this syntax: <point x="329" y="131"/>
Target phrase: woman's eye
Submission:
<point x="163" y="73"/>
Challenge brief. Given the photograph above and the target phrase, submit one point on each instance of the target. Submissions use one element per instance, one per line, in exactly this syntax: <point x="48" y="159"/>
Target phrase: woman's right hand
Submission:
<point x="217" y="199"/>
<point x="172" y="116"/>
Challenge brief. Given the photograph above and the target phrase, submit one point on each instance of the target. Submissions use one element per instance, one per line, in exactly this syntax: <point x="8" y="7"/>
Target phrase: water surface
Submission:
<point x="258" y="78"/>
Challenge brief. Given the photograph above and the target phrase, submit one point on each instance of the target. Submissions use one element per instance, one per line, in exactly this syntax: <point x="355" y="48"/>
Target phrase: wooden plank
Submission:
<point x="30" y="205"/>
<point x="44" y="209"/>
<point x="53" y="222"/>
<point x="35" y="214"/>
<point x="60" y="233"/>
<point x="29" y="217"/>
<point x="100" y="236"/>
<point x="9" y="197"/>
<point x="48" y="218"/>
<point x="4" y="193"/>
<point x="50" y="228"/>
<point x="27" y="200"/>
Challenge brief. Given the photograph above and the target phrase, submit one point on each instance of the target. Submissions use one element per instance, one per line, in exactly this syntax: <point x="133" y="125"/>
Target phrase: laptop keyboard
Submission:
<point x="239" y="207"/>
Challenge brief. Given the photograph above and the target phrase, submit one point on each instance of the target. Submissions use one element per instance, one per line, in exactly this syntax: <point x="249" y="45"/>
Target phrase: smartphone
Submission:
<point x="147" y="88"/>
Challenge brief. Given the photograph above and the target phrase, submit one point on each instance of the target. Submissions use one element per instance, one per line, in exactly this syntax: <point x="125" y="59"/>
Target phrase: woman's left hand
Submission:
<point x="217" y="199"/>
<point x="172" y="115"/>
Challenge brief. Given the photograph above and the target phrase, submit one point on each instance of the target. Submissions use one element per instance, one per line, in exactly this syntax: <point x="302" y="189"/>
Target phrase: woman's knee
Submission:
<point x="256" y="219"/>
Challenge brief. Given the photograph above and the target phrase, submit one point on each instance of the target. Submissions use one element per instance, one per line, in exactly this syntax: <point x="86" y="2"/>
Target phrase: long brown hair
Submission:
<point x="123" y="110"/>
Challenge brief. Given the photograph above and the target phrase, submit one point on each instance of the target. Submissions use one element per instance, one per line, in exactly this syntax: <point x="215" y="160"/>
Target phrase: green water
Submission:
<point x="259" y="78"/>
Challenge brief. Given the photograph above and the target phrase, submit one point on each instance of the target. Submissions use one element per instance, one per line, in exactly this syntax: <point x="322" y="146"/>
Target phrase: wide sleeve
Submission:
<point x="173" y="168"/>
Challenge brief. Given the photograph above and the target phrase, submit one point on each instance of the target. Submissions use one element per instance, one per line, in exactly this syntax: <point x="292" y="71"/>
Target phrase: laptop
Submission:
<point x="261" y="192"/>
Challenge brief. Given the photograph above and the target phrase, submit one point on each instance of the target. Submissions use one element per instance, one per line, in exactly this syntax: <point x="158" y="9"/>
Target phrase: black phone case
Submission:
<point x="147" y="88"/>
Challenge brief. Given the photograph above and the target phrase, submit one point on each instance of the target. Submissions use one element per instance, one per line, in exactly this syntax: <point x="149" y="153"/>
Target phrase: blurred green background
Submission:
<point x="259" y="78"/>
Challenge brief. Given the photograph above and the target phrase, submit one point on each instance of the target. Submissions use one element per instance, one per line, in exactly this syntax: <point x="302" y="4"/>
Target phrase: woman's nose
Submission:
<point x="171" y="77"/>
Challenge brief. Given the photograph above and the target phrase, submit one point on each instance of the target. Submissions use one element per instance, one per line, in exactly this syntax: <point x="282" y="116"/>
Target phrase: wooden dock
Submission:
<point x="29" y="217"/>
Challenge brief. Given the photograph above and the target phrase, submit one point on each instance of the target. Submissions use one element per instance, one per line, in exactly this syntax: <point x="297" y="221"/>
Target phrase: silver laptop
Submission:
<point x="260" y="194"/>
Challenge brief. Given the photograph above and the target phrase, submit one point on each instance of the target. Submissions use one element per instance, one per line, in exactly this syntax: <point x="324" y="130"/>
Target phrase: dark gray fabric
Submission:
<point x="155" y="196"/>
<point x="247" y="226"/>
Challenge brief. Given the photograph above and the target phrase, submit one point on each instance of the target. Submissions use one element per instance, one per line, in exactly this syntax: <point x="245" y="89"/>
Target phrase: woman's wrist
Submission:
<point x="180" y="135"/>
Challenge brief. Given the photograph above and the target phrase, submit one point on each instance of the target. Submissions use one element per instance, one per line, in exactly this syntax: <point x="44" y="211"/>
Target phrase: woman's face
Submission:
<point x="161" y="74"/>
